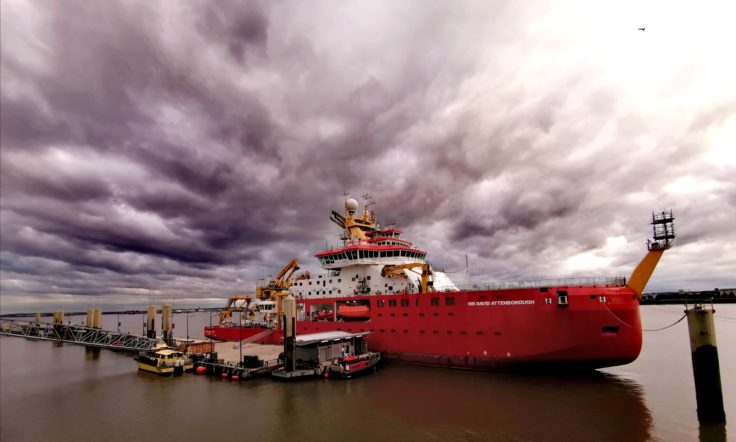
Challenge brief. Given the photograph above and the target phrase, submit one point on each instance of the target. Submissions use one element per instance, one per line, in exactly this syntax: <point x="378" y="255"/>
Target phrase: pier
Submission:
<point x="76" y="334"/>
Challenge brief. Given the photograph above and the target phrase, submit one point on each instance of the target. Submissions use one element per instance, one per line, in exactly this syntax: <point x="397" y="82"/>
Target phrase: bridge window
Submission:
<point x="392" y="303"/>
<point x="379" y="303"/>
<point x="405" y="303"/>
<point x="450" y="300"/>
<point x="435" y="301"/>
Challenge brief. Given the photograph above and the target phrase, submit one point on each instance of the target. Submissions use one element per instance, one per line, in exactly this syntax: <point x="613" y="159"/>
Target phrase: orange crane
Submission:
<point x="427" y="285"/>
<point x="278" y="288"/>
<point x="232" y="305"/>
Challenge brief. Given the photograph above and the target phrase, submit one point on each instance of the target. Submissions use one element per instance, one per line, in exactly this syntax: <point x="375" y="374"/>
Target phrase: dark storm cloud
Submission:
<point x="159" y="149"/>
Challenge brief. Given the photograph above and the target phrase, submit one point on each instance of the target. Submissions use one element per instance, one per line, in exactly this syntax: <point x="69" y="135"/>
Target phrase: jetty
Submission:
<point x="77" y="334"/>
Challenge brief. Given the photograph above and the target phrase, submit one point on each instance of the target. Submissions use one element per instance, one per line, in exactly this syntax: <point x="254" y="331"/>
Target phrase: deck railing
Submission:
<point x="614" y="281"/>
<point x="610" y="281"/>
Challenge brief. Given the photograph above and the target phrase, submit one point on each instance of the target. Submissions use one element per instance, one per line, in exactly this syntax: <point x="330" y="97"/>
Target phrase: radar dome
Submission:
<point x="351" y="204"/>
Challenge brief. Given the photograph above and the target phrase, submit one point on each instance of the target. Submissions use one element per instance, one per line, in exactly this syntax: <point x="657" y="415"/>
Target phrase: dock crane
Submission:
<point x="427" y="285"/>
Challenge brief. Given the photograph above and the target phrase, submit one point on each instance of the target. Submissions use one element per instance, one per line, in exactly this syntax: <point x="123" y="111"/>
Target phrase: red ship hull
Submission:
<point x="584" y="327"/>
<point x="221" y="333"/>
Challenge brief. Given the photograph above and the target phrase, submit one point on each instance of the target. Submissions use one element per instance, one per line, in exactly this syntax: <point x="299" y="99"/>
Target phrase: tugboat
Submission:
<point x="164" y="361"/>
<point x="352" y="366"/>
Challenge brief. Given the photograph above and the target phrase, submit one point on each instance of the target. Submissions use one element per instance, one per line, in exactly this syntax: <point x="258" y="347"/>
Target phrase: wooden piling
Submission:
<point x="706" y="370"/>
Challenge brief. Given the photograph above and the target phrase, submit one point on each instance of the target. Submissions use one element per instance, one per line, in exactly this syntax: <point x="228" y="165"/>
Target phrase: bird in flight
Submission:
<point x="642" y="29"/>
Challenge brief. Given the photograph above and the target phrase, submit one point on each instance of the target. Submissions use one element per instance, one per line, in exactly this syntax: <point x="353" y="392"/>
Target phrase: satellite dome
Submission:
<point x="351" y="204"/>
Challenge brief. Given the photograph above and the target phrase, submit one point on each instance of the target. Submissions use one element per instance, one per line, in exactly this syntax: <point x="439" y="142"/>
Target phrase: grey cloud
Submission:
<point x="197" y="147"/>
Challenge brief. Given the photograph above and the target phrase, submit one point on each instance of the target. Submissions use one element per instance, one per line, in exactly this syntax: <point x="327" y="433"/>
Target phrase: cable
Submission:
<point x="663" y="328"/>
<point x="647" y="330"/>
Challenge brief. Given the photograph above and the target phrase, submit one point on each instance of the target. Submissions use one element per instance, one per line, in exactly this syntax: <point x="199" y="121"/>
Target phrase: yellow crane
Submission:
<point x="232" y="305"/>
<point x="278" y="288"/>
<point x="426" y="286"/>
<point x="281" y="282"/>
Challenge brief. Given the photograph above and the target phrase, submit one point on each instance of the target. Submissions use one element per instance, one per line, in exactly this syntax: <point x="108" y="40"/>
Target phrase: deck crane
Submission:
<point x="426" y="286"/>
<point x="236" y="304"/>
<point x="278" y="288"/>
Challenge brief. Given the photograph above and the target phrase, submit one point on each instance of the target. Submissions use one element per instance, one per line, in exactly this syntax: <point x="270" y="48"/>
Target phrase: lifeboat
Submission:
<point x="354" y="311"/>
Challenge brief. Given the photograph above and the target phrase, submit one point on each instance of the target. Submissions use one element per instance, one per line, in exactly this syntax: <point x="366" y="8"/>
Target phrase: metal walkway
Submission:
<point x="76" y="334"/>
<point x="254" y="338"/>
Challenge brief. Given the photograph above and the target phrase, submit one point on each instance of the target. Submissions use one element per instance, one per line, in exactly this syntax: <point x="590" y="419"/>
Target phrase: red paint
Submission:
<point x="367" y="247"/>
<point x="497" y="328"/>
<point x="221" y="333"/>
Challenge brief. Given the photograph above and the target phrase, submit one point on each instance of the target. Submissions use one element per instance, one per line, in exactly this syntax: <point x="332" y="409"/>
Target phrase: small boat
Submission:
<point x="352" y="366"/>
<point x="164" y="361"/>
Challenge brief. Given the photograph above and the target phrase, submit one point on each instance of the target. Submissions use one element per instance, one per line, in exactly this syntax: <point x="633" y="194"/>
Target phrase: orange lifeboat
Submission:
<point x="354" y="311"/>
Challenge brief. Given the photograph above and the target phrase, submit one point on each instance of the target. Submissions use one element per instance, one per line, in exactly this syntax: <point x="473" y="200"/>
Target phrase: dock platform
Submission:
<point x="264" y="359"/>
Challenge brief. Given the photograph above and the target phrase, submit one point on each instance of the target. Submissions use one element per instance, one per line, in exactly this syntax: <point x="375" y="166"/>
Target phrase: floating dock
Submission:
<point x="226" y="361"/>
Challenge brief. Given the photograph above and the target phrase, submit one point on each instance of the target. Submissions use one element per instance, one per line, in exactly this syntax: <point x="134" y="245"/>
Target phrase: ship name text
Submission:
<point x="500" y="303"/>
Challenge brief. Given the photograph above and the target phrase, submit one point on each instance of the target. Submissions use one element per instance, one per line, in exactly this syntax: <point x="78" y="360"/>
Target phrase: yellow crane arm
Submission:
<point x="231" y="306"/>
<point x="293" y="265"/>
<point x="426" y="273"/>
<point x="641" y="274"/>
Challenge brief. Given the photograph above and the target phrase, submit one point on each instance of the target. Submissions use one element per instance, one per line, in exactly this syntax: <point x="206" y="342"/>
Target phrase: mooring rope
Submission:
<point x="644" y="329"/>
<point x="616" y="316"/>
<point x="664" y="328"/>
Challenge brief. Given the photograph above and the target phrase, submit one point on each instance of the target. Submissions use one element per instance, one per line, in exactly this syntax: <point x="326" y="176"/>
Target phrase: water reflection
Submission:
<point x="591" y="406"/>
<point x="712" y="433"/>
<point x="91" y="353"/>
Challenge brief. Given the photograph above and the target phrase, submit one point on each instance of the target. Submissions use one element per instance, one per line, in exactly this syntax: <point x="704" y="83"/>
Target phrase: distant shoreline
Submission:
<point x="645" y="301"/>
<point x="121" y="312"/>
<point x="688" y="301"/>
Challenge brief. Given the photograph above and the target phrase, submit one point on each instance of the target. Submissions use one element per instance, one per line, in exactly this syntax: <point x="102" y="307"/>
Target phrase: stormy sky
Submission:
<point x="180" y="151"/>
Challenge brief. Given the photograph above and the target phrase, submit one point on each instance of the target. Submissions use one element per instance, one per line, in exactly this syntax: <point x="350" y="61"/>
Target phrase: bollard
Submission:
<point x="706" y="371"/>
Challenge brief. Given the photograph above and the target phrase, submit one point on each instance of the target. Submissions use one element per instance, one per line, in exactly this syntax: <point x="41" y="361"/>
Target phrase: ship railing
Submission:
<point x="612" y="281"/>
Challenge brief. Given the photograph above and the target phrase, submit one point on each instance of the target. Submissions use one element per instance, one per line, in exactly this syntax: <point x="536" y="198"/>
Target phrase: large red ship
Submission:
<point x="378" y="282"/>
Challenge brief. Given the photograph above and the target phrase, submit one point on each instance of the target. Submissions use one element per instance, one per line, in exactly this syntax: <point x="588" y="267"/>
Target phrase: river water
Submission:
<point x="66" y="392"/>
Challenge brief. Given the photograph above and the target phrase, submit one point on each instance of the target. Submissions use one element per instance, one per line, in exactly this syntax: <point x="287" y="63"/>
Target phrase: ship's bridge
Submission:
<point x="381" y="251"/>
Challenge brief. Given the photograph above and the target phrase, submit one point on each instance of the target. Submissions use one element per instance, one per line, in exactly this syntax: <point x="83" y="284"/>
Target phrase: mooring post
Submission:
<point x="706" y="371"/>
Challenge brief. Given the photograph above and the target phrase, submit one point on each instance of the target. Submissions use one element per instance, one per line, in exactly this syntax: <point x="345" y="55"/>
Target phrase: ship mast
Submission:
<point x="663" y="234"/>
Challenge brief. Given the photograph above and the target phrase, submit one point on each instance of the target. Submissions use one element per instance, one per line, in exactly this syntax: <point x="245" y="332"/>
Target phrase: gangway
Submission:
<point x="254" y="338"/>
<point x="77" y="334"/>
